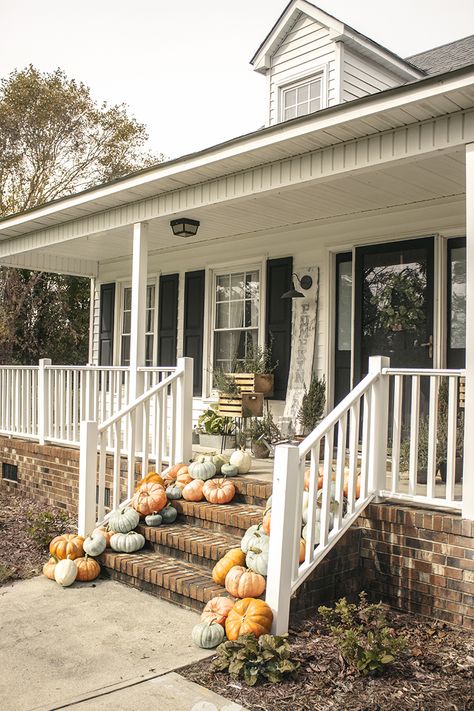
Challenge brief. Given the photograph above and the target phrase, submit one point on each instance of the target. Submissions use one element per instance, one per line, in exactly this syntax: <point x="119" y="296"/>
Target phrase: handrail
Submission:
<point x="136" y="403"/>
<point x="332" y="418"/>
<point x="92" y="368"/>
<point x="425" y="371"/>
<point x="19" y="367"/>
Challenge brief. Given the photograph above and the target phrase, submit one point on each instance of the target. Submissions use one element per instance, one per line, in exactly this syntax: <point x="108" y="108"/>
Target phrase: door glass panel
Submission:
<point x="457" y="298"/>
<point x="344" y="306"/>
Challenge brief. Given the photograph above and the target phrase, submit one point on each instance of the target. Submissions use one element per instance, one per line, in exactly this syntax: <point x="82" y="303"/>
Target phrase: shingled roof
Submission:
<point x="445" y="58"/>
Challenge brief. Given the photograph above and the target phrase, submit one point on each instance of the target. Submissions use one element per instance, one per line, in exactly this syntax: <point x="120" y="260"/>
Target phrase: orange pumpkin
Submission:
<point x="307" y="476"/>
<point x="106" y="533"/>
<point x="150" y="498"/>
<point x="218" y="491"/>
<point x="248" y="616"/>
<point x="267" y="517"/>
<point x="193" y="490"/>
<point x="171" y="473"/>
<point x="69" y="545"/>
<point x="217" y="610"/>
<point x="183" y="477"/>
<point x="233" y="557"/>
<point x="241" y="582"/>
<point x="48" y="568"/>
<point x="150" y="477"/>
<point x="346" y="486"/>
<point x="302" y="550"/>
<point x="87" y="569"/>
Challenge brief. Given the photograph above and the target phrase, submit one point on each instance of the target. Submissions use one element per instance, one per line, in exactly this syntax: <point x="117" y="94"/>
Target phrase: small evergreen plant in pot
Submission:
<point x="262" y="428"/>
<point x="312" y="406"/>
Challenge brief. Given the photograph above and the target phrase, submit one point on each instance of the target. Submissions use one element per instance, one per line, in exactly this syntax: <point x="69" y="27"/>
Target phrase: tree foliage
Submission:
<point x="54" y="140"/>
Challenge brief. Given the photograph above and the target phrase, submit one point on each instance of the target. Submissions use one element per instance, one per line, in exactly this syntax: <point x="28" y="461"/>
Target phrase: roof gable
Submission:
<point x="339" y="31"/>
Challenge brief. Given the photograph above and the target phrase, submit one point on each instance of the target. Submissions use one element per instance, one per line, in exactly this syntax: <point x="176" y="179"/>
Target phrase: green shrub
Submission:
<point x="364" y="637"/>
<point x="267" y="657"/>
<point x="44" y="526"/>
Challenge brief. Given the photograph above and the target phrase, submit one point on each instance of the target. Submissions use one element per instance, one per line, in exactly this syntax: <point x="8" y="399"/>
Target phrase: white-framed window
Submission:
<point x="302" y="97"/>
<point x="236" y="322"/>
<point x="126" y="325"/>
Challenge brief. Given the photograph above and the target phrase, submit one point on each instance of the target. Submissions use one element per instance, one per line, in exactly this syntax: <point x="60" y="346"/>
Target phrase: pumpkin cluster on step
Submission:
<point x="73" y="558"/>
<point x="224" y="618"/>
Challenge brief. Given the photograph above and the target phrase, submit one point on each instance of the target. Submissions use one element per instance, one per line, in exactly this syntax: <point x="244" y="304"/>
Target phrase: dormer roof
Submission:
<point x="340" y="32"/>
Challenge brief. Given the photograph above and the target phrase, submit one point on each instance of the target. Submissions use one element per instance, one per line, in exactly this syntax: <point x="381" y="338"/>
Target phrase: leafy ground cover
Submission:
<point x="436" y="672"/>
<point x="26" y="527"/>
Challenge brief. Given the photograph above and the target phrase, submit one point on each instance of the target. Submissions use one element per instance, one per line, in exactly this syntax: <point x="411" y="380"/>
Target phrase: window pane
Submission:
<point x="150" y="296"/>
<point x="149" y="350"/>
<point x="150" y="316"/>
<point x="303" y="93"/>
<point x="290" y="113"/>
<point x="344" y="307"/>
<point x="125" y="360"/>
<point x="252" y="285"/>
<point x="127" y="322"/>
<point x="290" y="97"/>
<point x="237" y="286"/>
<point x="222" y="315"/>
<point x="222" y="288"/>
<point x="236" y="314"/>
<point x="127" y="298"/>
<point x="315" y="90"/>
<point x="223" y="345"/>
<point x="315" y="105"/>
<point x="302" y="110"/>
<point x="458" y="298"/>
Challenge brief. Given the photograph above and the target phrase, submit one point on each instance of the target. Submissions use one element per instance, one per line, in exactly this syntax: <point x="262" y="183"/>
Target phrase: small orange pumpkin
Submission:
<point x="171" y="473"/>
<point x="193" y="490"/>
<point x="248" y="616"/>
<point x="302" y="550"/>
<point x="105" y="532"/>
<point x="346" y="486"/>
<point x="233" y="557"/>
<point x="217" y="610"/>
<point x="87" y="569"/>
<point x="69" y="545"/>
<point x="241" y="582"/>
<point x="307" y="476"/>
<point x="183" y="477"/>
<point x="266" y="523"/>
<point x="149" y="498"/>
<point x="219" y="491"/>
<point x="48" y="568"/>
<point x="150" y="477"/>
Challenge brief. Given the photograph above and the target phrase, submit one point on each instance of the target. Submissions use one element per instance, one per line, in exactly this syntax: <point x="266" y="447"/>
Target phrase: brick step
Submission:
<point x="200" y="546"/>
<point x="177" y="581"/>
<point x="230" y="518"/>
<point x="251" y="491"/>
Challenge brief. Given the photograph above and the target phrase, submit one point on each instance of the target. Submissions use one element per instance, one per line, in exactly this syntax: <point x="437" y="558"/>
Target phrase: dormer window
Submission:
<point x="302" y="97"/>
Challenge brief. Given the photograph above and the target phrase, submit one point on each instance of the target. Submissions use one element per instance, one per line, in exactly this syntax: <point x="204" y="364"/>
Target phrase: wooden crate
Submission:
<point x="254" y="383"/>
<point x="249" y="404"/>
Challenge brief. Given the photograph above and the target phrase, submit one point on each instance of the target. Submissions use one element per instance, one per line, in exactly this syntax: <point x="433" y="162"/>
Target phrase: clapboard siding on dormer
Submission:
<point x="361" y="76"/>
<point x="305" y="50"/>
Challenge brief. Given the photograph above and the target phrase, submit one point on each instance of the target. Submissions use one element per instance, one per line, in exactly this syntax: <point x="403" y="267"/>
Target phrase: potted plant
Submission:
<point x="260" y="429"/>
<point x="312" y="407"/>
<point x="215" y="431"/>
<point x="255" y="372"/>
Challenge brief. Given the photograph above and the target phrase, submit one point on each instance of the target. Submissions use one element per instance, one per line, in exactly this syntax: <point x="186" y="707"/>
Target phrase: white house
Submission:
<point x="363" y="179"/>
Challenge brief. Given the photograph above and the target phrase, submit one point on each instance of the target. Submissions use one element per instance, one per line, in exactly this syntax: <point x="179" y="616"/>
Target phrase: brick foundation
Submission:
<point x="416" y="560"/>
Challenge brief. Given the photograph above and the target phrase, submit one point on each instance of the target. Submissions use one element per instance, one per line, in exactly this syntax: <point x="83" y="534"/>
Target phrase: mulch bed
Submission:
<point x="20" y="556"/>
<point x="437" y="672"/>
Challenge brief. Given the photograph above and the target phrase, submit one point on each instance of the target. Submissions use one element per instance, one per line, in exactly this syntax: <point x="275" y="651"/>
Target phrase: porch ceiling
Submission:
<point x="429" y="179"/>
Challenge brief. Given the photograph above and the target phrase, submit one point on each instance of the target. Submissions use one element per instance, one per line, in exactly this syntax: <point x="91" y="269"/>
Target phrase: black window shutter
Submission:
<point x="168" y="319"/>
<point x="279" y="274"/>
<point x="106" y="324"/>
<point x="193" y="336"/>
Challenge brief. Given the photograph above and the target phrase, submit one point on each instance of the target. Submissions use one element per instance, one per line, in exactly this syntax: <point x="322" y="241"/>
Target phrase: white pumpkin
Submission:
<point x="65" y="572"/>
<point x="242" y="460"/>
<point x="95" y="544"/>
<point x="127" y="542"/>
<point x="202" y="470"/>
<point x="253" y="537"/>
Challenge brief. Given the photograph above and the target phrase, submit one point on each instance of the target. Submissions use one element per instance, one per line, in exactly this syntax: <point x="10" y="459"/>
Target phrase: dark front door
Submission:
<point x="394" y="304"/>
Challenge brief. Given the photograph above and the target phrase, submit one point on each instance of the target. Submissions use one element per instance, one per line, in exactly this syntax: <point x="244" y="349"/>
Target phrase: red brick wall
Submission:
<point x="419" y="561"/>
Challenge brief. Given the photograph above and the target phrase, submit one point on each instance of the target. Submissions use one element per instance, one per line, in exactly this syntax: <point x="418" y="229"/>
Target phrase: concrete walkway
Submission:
<point x="96" y="646"/>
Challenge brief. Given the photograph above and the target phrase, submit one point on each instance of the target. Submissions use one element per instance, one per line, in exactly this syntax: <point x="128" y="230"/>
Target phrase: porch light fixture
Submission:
<point x="184" y="227"/>
<point x="306" y="282"/>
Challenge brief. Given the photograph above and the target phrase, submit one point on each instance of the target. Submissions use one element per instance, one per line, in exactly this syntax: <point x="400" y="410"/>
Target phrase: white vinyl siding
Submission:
<point x="306" y="50"/>
<point x="361" y="76"/>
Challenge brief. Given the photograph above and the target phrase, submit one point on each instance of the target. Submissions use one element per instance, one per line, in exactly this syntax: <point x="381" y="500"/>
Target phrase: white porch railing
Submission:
<point x="49" y="402"/>
<point x="156" y="427"/>
<point x="387" y="439"/>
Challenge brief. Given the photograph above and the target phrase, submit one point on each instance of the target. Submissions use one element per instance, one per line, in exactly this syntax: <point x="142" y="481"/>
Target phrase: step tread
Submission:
<point x="180" y="577"/>
<point x="186" y="538"/>
<point x="221" y="513"/>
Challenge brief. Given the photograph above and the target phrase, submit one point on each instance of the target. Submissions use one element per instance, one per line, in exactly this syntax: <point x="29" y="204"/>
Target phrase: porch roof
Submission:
<point x="406" y="122"/>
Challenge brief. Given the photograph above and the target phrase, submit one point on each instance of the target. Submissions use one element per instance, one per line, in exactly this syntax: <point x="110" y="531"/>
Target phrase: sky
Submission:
<point x="182" y="66"/>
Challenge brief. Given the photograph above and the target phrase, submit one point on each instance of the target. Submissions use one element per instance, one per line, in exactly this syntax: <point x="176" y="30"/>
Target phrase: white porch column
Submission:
<point x="468" y="473"/>
<point x="138" y="315"/>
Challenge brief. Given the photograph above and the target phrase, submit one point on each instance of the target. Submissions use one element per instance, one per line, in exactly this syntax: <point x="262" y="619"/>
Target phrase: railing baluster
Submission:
<point x="353" y="455"/>
<point x="340" y="465"/>
<point x="312" y="504"/>
<point x="365" y="445"/>
<point x="131" y="453"/>
<point x="452" y="434"/>
<point x="432" y="436"/>
<point x="145" y="437"/>
<point x="101" y="481"/>
<point x="116" y="466"/>
<point x="396" y="431"/>
<point x="327" y="485"/>
<point x="172" y="433"/>
<point x="414" y="423"/>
